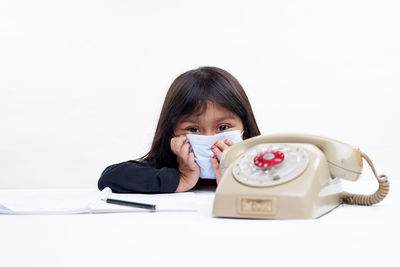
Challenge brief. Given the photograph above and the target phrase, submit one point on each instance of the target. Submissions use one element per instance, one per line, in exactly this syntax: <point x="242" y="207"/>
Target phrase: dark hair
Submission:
<point x="188" y="94"/>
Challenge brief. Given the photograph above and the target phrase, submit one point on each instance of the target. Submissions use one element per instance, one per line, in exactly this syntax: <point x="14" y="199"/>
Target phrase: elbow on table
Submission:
<point x="107" y="177"/>
<point x="105" y="180"/>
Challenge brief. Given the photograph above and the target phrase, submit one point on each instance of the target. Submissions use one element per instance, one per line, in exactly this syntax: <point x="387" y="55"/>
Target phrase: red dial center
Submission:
<point x="269" y="159"/>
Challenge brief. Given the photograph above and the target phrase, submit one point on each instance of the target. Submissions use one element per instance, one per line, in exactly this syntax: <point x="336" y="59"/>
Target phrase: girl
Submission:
<point x="206" y="101"/>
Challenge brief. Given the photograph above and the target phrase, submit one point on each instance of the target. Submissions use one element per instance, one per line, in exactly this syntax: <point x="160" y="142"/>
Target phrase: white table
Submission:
<point x="350" y="235"/>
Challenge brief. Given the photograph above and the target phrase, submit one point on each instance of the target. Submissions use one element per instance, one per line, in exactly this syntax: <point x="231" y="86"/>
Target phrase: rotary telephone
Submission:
<point x="290" y="176"/>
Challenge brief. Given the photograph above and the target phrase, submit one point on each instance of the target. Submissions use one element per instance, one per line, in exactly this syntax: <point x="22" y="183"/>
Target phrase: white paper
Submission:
<point x="27" y="202"/>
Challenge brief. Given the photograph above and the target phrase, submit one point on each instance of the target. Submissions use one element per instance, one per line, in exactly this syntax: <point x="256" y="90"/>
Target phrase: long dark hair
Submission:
<point x="188" y="94"/>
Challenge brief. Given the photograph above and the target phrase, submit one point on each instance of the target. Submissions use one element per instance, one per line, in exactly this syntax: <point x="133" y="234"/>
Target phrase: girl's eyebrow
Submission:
<point x="190" y="120"/>
<point x="230" y="117"/>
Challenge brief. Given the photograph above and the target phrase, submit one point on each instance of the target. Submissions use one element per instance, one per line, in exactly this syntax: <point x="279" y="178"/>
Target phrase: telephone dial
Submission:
<point x="290" y="176"/>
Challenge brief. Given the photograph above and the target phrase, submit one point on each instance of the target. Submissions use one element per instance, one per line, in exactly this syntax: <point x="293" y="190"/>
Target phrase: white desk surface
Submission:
<point x="349" y="235"/>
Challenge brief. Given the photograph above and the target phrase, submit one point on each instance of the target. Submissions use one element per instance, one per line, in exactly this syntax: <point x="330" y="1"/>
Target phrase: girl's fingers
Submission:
<point x="176" y="143"/>
<point x="191" y="161"/>
<point x="184" y="151"/>
<point x="216" y="151"/>
<point x="215" y="165"/>
<point x="219" y="147"/>
<point x="224" y="145"/>
<point x="180" y="148"/>
<point x="228" y="142"/>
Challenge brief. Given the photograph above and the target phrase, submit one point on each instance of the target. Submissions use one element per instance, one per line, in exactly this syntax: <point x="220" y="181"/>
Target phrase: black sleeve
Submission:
<point x="139" y="177"/>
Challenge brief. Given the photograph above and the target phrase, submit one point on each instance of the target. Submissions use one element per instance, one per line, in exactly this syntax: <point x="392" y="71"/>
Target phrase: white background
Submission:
<point x="82" y="82"/>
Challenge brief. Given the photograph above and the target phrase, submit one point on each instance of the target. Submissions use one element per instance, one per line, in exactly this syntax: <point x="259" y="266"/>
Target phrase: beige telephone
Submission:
<point x="290" y="176"/>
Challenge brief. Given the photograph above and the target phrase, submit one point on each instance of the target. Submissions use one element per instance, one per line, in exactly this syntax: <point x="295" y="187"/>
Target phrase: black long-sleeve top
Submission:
<point x="139" y="177"/>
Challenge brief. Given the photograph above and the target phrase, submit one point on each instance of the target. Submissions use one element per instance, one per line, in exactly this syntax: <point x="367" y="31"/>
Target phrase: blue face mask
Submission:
<point x="201" y="145"/>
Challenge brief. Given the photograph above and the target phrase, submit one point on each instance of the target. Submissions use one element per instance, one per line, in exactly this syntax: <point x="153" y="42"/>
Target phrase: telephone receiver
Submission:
<point x="290" y="176"/>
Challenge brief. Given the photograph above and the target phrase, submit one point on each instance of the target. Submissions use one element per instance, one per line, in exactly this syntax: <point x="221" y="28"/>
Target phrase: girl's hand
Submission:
<point x="188" y="168"/>
<point x="218" y="148"/>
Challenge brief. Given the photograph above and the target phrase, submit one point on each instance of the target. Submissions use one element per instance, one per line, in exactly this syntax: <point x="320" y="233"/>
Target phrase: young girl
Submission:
<point x="207" y="101"/>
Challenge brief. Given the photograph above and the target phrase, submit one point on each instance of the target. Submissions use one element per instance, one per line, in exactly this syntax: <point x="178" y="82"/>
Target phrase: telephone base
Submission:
<point x="310" y="195"/>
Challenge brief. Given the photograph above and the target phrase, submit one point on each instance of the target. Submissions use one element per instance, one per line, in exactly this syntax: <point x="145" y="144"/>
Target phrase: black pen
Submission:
<point x="129" y="203"/>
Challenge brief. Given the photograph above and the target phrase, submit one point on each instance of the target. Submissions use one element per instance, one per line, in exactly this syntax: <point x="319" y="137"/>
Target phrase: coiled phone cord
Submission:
<point x="367" y="200"/>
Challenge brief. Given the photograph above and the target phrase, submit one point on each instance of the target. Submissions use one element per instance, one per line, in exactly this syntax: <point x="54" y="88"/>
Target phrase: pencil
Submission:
<point x="130" y="203"/>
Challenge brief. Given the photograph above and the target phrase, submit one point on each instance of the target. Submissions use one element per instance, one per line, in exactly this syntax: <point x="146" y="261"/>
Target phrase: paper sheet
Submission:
<point x="27" y="202"/>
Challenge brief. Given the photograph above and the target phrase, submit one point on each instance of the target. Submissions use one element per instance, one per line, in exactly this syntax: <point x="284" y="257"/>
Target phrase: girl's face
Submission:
<point x="215" y="119"/>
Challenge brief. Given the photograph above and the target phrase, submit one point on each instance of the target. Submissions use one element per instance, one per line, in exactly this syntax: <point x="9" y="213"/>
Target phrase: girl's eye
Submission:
<point x="223" y="128"/>
<point x="193" y="130"/>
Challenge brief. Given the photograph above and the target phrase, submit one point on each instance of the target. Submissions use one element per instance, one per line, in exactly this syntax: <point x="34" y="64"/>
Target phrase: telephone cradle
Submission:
<point x="290" y="176"/>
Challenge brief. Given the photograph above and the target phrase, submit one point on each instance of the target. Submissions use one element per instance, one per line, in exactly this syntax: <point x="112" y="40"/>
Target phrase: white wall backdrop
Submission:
<point x="82" y="82"/>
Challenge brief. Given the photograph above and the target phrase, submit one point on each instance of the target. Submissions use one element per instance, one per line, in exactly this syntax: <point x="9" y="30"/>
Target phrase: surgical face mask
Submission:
<point x="201" y="145"/>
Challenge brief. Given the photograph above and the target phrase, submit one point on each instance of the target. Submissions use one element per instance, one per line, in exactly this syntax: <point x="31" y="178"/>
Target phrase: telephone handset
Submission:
<point x="285" y="176"/>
